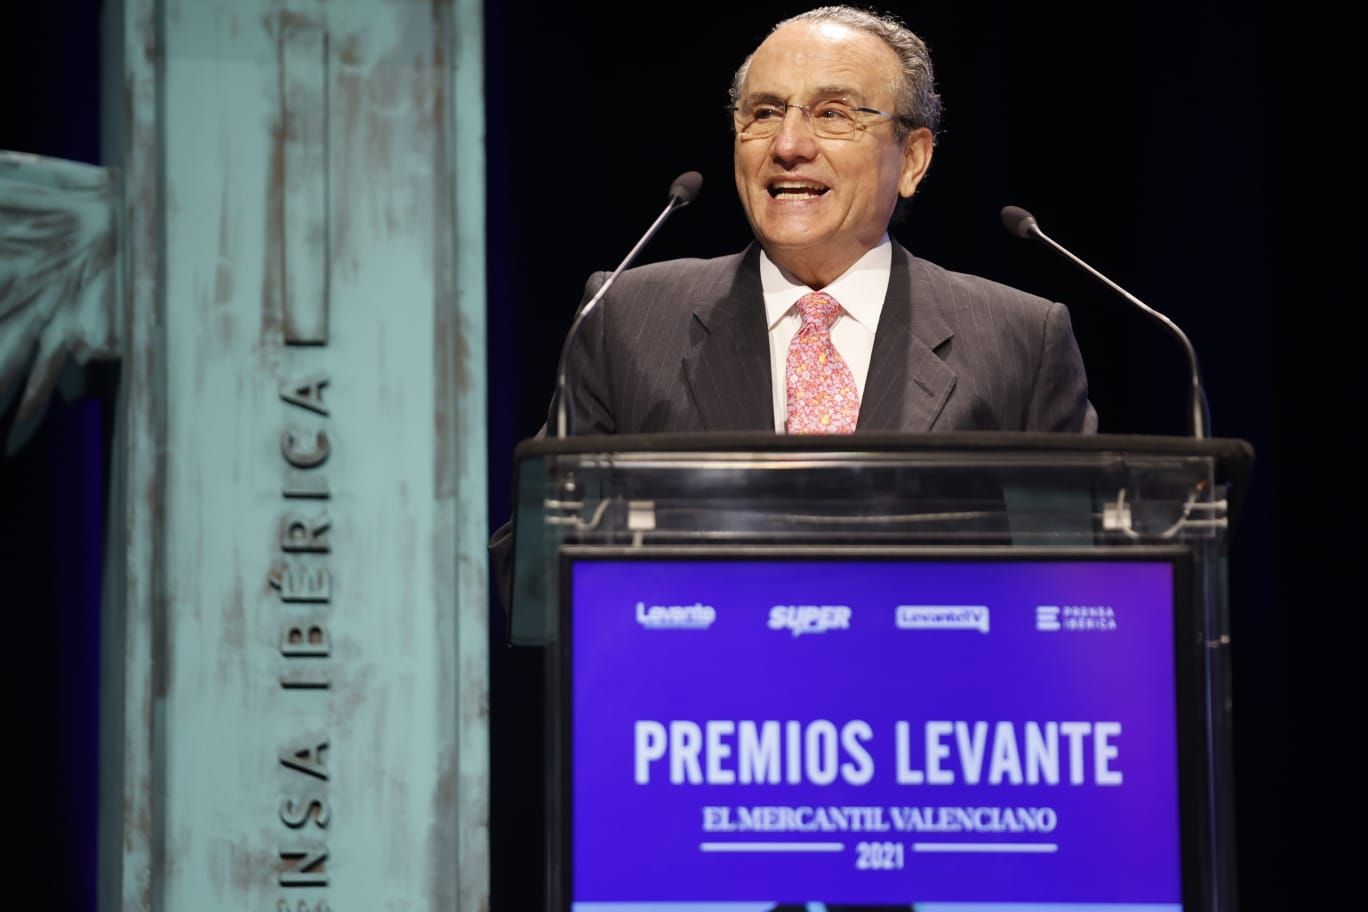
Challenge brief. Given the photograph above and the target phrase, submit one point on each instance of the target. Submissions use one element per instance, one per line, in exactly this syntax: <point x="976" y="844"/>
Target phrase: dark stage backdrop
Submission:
<point x="1197" y="152"/>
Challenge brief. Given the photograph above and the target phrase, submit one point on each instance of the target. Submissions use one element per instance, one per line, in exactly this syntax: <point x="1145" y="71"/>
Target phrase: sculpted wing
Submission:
<point x="59" y="276"/>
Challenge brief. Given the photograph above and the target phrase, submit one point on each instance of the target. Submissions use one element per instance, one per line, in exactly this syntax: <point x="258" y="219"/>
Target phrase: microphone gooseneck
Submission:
<point x="1024" y="225"/>
<point x="683" y="191"/>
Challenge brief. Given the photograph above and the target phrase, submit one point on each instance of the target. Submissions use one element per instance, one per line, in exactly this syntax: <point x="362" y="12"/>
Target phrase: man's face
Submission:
<point x="817" y="205"/>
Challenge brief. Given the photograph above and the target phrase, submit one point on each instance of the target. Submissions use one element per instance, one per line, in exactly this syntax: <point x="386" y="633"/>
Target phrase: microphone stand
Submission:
<point x="1023" y="224"/>
<point x="682" y="192"/>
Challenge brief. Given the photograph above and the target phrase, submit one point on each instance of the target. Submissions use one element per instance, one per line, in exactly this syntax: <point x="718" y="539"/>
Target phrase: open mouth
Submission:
<point x="796" y="190"/>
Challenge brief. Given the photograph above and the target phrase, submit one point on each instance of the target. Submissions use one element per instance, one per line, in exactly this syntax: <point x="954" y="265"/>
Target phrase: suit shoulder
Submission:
<point x="685" y="271"/>
<point x="669" y="286"/>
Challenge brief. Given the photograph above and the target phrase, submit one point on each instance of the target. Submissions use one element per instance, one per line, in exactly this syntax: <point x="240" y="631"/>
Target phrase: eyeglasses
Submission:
<point x="827" y="119"/>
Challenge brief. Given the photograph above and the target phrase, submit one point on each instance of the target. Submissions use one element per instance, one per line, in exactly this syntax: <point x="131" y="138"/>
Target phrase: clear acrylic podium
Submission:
<point x="941" y="494"/>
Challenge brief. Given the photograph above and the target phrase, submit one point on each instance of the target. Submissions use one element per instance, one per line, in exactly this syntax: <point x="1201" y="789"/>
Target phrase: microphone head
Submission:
<point x="685" y="188"/>
<point x="1019" y="221"/>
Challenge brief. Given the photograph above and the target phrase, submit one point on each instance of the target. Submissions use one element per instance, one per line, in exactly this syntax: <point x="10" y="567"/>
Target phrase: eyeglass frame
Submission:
<point x="861" y="125"/>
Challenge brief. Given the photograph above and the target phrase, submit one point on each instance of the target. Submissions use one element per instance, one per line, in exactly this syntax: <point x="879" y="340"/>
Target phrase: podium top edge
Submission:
<point x="1230" y="452"/>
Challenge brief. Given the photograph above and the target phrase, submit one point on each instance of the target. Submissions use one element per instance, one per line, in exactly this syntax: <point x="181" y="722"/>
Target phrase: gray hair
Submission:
<point x="916" y="101"/>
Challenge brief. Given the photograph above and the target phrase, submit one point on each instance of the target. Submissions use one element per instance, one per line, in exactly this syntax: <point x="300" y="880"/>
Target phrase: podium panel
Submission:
<point x="969" y="672"/>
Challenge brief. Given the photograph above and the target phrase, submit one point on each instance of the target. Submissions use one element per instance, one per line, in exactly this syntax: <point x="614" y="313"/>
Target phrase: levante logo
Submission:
<point x="697" y="616"/>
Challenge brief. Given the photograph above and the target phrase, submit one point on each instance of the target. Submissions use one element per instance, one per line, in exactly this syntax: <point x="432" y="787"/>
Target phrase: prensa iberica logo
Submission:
<point x="1076" y="618"/>
<point x="697" y="616"/>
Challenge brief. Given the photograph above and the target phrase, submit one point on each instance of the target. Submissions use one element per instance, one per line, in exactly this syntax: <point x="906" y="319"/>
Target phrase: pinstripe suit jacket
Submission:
<point x="683" y="346"/>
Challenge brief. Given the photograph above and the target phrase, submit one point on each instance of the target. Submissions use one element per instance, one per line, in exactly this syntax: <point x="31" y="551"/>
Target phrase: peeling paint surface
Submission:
<point x="304" y="595"/>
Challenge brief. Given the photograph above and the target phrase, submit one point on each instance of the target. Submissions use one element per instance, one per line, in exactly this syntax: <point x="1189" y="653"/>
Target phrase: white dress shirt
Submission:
<point x="860" y="291"/>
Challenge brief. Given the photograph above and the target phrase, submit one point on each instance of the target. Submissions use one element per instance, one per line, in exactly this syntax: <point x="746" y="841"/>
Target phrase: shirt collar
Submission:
<point x="860" y="289"/>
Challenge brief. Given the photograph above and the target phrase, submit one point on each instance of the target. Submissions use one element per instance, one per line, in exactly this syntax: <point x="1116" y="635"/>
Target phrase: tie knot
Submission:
<point x="818" y="307"/>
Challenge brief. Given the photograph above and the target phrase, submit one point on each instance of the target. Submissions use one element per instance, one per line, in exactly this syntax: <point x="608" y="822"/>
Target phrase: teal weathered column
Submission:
<point x="295" y="699"/>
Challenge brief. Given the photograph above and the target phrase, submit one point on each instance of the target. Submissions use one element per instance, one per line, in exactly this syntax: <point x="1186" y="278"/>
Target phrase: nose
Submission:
<point x="795" y="140"/>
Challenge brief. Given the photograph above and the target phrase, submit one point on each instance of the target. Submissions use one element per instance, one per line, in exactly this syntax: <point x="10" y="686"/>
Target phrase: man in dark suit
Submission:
<point x="835" y="116"/>
<point x="824" y="324"/>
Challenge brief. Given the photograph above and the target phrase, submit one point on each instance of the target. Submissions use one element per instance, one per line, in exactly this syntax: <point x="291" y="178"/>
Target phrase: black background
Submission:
<point x="1198" y="153"/>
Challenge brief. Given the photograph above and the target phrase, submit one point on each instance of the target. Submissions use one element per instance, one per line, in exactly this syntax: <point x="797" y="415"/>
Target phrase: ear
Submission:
<point x="916" y="159"/>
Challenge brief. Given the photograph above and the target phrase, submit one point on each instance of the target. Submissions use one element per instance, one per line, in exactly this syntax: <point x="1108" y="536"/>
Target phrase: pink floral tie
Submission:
<point x="822" y="398"/>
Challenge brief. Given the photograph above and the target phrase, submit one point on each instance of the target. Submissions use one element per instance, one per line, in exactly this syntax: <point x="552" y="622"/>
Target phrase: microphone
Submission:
<point x="1021" y="223"/>
<point x="683" y="191"/>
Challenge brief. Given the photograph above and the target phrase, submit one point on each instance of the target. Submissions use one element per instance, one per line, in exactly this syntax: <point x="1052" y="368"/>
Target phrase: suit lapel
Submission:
<point x="728" y="371"/>
<point x="908" y="384"/>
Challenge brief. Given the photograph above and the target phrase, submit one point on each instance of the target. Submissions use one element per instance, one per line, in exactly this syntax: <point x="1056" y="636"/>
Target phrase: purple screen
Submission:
<point x="873" y="731"/>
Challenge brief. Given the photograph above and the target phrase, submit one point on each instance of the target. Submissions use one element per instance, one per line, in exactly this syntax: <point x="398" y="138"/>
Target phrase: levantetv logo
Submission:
<point x="697" y="616"/>
<point x="803" y="619"/>
<point x="942" y="617"/>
